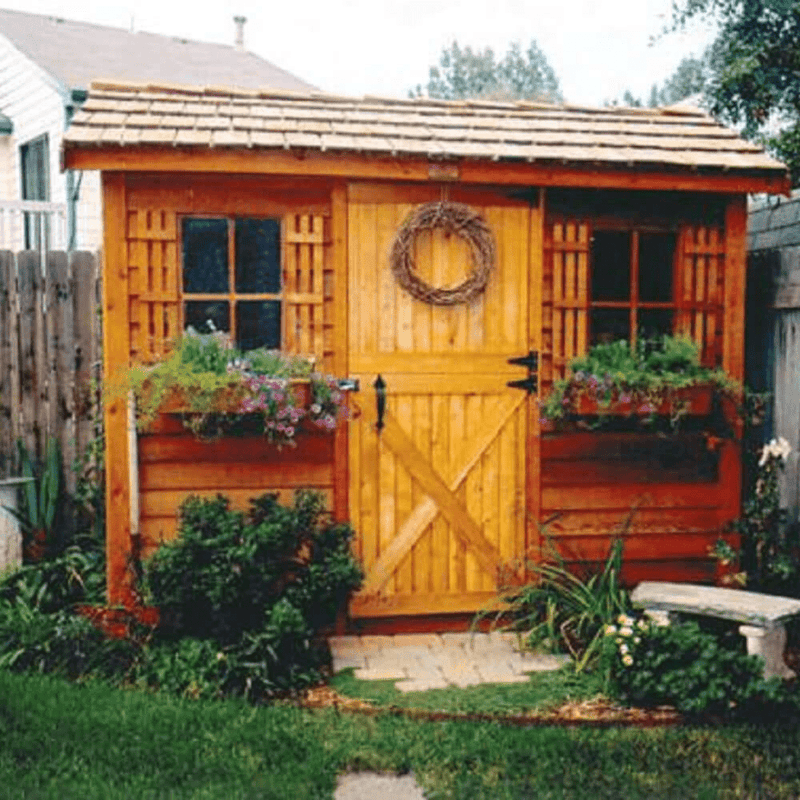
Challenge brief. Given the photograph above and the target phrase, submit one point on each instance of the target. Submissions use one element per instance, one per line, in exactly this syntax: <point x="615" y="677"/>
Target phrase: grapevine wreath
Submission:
<point x="455" y="218"/>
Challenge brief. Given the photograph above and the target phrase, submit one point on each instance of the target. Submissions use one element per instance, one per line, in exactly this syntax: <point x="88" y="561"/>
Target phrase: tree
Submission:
<point x="755" y="69"/>
<point x="467" y="73"/>
<point x="690" y="78"/>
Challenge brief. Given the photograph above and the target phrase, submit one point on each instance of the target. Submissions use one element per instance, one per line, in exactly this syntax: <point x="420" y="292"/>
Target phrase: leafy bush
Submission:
<point x="683" y="666"/>
<point x="255" y="587"/>
<point x="564" y="608"/>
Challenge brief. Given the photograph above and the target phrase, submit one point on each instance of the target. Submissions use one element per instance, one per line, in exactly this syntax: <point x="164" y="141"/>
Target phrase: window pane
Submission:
<point x="259" y="324"/>
<point x="205" y="256"/>
<point x="610" y="324"/>
<point x="653" y="323"/>
<point x="611" y="265"/>
<point x="258" y="255"/>
<point x="207" y="316"/>
<point x="656" y="252"/>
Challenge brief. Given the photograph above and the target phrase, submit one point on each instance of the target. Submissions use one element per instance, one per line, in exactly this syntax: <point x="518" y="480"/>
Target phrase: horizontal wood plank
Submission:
<point x="410" y="604"/>
<point x="226" y="476"/>
<point x="176" y="448"/>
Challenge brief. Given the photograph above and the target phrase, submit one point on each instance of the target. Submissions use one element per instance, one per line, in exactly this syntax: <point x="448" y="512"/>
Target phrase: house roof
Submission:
<point x="124" y="117"/>
<point x="76" y="53"/>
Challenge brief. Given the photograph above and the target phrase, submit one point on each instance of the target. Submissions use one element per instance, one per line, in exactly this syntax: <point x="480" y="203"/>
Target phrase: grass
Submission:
<point x="87" y="741"/>
<point x="543" y="691"/>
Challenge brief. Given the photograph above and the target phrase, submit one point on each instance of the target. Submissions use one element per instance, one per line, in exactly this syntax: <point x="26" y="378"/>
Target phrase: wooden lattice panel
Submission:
<point x="566" y="271"/>
<point x="700" y="290"/>
<point x="153" y="269"/>
<point x="307" y="287"/>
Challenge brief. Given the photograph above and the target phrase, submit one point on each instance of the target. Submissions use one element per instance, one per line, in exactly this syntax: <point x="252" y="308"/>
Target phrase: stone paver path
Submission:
<point x="418" y="662"/>
<point x="373" y="786"/>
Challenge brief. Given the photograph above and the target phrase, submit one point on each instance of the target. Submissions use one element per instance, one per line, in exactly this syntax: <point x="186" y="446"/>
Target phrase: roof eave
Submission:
<point x="364" y="165"/>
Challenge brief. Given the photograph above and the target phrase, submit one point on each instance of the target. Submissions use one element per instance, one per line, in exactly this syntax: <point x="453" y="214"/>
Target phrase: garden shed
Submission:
<point x="582" y="225"/>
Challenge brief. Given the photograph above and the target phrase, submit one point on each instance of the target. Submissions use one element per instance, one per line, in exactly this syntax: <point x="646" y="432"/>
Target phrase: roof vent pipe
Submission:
<point x="239" y="40"/>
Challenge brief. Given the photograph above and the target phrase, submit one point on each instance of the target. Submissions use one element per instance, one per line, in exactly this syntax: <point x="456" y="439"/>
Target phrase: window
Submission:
<point x="632" y="284"/>
<point x="232" y="279"/>
<point x="34" y="159"/>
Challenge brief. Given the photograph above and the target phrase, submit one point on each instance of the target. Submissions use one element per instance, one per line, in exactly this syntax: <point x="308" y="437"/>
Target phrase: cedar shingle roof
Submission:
<point x="76" y="53"/>
<point x="679" y="138"/>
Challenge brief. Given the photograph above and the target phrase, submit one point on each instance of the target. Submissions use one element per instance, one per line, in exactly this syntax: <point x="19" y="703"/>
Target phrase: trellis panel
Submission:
<point x="565" y="295"/>
<point x="307" y="287"/>
<point x="153" y="267"/>
<point x="700" y="288"/>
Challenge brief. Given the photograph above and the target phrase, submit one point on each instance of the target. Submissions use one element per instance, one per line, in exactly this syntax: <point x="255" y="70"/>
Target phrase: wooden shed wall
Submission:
<point x="582" y="480"/>
<point x="596" y="484"/>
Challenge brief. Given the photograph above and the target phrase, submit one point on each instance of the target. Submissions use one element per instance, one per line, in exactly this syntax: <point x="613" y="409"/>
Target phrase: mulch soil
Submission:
<point x="598" y="712"/>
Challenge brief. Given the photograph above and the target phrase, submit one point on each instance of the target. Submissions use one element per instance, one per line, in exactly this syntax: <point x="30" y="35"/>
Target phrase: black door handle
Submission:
<point x="380" y="401"/>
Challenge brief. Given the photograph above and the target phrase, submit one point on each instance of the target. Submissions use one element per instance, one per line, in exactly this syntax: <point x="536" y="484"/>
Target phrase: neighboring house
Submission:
<point x="46" y="66"/>
<point x="773" y="324"/>
<point x="604" y="221"/>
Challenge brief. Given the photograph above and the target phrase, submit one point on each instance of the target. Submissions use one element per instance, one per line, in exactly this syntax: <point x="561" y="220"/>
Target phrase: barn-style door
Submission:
<point x="438" y="483"/>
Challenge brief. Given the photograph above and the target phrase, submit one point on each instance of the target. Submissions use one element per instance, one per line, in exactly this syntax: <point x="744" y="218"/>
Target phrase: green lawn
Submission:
<point x="62" y="740"/>
<point x="543" y="691"/>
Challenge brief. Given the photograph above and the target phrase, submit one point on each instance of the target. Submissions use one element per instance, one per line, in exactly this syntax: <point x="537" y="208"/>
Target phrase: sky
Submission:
<point x="598" y="48"/>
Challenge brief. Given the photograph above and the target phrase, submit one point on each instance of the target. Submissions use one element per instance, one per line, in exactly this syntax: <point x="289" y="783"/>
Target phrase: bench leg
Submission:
<point x="662" y="618"/>
<point x="769" y="643"/>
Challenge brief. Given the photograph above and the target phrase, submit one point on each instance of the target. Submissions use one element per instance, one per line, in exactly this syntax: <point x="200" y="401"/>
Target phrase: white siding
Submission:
<point x="32" y="99"/>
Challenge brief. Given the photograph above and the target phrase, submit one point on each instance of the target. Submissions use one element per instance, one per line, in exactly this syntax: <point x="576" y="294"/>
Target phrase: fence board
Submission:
<point x="49" y="352"/>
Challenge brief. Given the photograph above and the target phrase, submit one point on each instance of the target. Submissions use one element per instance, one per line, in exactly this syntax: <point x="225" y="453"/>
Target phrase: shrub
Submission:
<point x="255" y="587"/>
<point x="683" y="666"/>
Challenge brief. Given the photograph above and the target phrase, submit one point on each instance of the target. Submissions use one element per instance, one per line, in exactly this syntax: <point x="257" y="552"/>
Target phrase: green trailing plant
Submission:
<point x="683" y="666"/>
<point x="641" y="381"/>
<point x="563" y="607"/>
<point x="256" y="586"/>
<point x="224" y="391"/>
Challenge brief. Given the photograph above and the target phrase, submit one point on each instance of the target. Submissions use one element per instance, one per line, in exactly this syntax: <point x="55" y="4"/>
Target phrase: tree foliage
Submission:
<point x="755" y="69"/>
<point x="690" y="78"/>
<point x="464" y="73"/>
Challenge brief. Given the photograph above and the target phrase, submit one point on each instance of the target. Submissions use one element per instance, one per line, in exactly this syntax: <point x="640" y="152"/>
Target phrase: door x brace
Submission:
<point x="441" y="495"/>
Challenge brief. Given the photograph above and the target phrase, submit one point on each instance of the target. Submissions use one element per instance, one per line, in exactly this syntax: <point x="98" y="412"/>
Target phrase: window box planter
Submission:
<point x="692" y="400"/>
<point x="228" y="400"/>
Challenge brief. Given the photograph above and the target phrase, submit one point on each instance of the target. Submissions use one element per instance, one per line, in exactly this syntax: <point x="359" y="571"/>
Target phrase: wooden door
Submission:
<point x="438" y="494"/>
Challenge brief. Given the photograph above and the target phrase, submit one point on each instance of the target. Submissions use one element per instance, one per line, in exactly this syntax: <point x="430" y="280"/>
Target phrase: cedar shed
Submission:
<point x="605" y="222"/>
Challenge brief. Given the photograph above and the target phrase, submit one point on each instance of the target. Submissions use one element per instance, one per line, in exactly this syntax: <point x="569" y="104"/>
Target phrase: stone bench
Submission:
<point x="762" y="615"/>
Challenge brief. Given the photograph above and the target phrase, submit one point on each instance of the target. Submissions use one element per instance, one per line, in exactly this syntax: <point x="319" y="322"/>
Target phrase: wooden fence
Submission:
<point x="50" y="354"/>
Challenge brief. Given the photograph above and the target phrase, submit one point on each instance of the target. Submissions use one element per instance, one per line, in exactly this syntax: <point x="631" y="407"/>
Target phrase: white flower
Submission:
<point x="641" y="625"/>
<point x="626" y="631"/>
<point x="624" y="619"/>
<point x="777" y="448"/>
<point x="610" y="630"/>
<point x="637" y="639"/>
<point x="627" y="660"/>
<point x="623" y="648"/>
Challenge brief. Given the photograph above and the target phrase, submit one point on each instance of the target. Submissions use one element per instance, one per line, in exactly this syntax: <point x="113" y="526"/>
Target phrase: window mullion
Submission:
<point x="232" y="280"/>
<point x="634" y="286"/>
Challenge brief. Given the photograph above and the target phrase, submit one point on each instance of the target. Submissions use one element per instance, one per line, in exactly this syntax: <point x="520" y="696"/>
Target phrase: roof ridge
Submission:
<point x="412" y="103"/>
